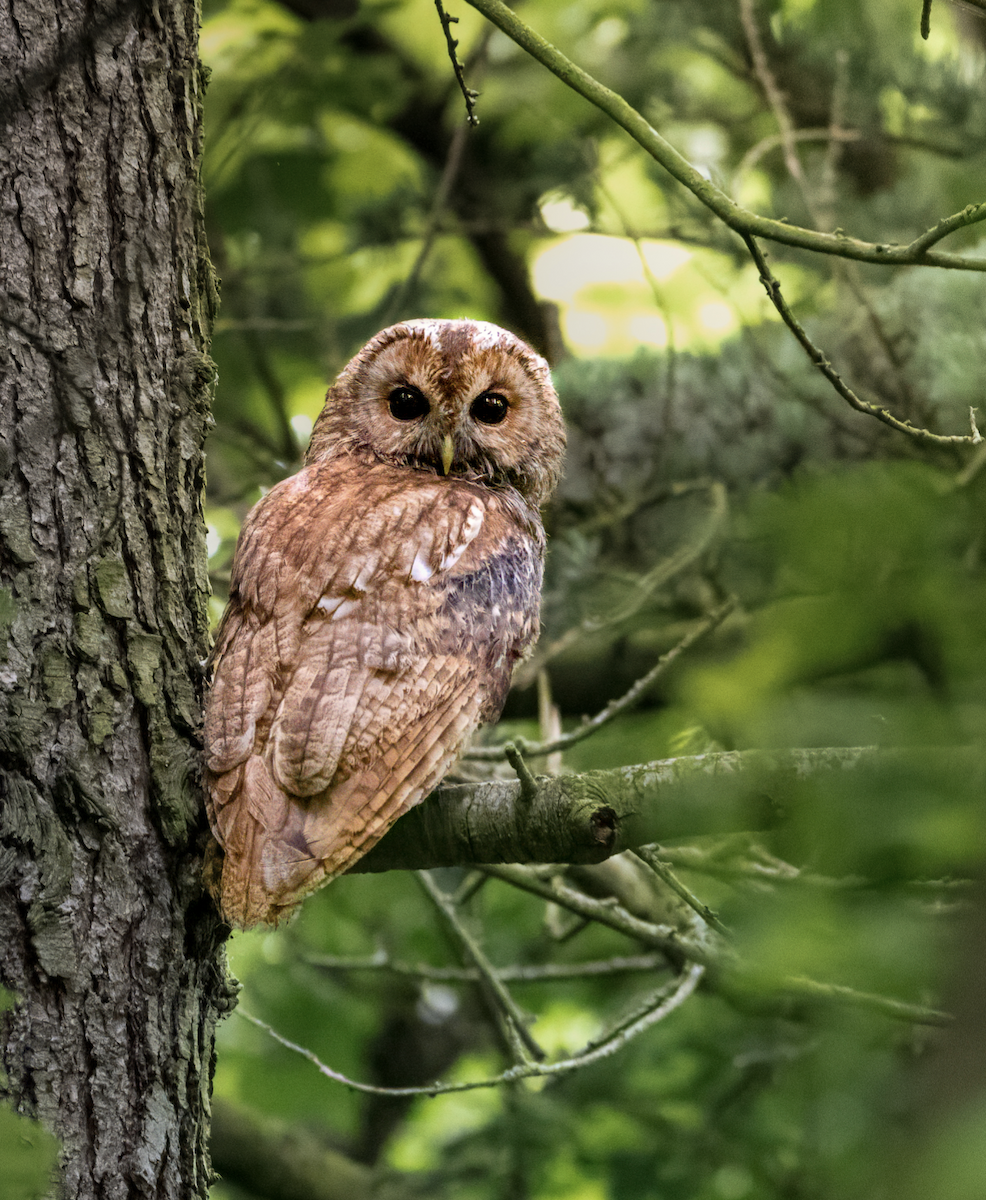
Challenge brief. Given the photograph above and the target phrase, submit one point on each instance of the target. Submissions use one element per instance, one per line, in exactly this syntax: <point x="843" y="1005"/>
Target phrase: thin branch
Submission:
<point x="501" y="1000"/>
<point x="612" y="710"/>
<point x="640" y="1012"/>
<point x="549" y="723"/>
<point x="450" y="172"/>
<point x="660" y="574"/>
<point x="528" y="784"/>
<point x="765" y="145"/>
<point x="651" y="855"/>
<point x="978" y="460"/>
<point x="737" y="860"/>
<point x="827" y="194"/>
<point x="739" y="219"/>
<point x="731" y="971"/>
<point x="664" y="1004"/>
<point x="800" y="987"/>
<point x="607" y="912"/>
<point x="773" y="289"/>
<point x="970" y="215"/>
<point x="926" y="19"/>
<point x="535" y="973"/>
<point x="761" y="68"/>
<point x="468" y="94"/>
<point x="629" y="505"/>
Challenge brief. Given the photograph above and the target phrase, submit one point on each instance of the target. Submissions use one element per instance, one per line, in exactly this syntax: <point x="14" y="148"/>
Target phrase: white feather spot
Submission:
<point x="337" y="607"/>
<point x="345" y="609"/>
<point x="485" y="335"/>
<point x="470" y="530"/>
<point x="429" y="328"/>
<point x="421" y="570"/>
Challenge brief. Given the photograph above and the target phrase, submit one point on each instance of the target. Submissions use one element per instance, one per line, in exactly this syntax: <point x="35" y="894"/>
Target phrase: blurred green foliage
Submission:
<point x="27" y="1151"/>
<point x="857" y="558"/>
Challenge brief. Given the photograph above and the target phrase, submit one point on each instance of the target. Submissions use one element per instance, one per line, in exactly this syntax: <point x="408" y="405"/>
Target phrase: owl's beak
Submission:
<point x="448" y="453"/>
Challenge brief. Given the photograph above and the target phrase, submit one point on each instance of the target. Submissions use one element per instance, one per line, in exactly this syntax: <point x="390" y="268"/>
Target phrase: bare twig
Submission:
<point x="714" y="953"/>
<point x="926" y="19"/>
<point x="738" y="860"/>
<point x="652" y="857"/>
<point x="800" y="987"/>
<point x="636" y="501"/>
<point x="750" y="159"/>
<point x="827" y="192"/>
<point x="645" y="587"/>
<point x="607" y="912"/>
<point x="761" y="68"/>
<point x="549" y="723"/>
<point x="536" y="973"/>
<point x="615" y="707"/>
<point x="773" y="289"/>
<point x="450" y="172"/>
<point x="662" y="1004"/>
<point x="528" y="784"/>
<point x="976" y="463"/>
<point x="501" y="1000"/>
<point x="968" y="216"/>
<point x="468" y="94"/>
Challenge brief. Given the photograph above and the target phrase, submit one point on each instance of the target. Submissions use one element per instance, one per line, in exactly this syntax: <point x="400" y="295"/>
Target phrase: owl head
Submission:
<point x="459" y="398"/>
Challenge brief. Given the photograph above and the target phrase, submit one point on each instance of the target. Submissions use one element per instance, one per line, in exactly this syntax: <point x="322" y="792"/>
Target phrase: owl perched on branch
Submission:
<point x="379" y="602"/>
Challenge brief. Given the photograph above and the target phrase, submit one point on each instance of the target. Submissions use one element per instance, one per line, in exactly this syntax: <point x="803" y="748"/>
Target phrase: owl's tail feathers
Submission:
<point x="281" y="847"/>
<point x="265" y="867"/>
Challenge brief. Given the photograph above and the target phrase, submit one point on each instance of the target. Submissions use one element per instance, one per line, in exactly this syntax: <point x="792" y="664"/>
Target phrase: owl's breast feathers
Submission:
<point x="375" y="618"/>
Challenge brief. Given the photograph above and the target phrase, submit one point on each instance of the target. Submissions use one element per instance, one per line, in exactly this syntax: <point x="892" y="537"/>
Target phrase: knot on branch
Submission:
<point x="603" y="823"/>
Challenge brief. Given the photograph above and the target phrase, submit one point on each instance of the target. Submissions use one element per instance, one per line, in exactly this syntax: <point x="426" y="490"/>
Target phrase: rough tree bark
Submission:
<point x="106" y="298"/>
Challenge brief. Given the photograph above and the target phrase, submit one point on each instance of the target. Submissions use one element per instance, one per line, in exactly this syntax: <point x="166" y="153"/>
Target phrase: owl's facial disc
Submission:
<point x="460" y="398"/>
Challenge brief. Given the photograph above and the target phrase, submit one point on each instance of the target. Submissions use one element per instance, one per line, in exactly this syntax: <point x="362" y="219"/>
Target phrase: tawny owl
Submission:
<point x="379" y="602"/>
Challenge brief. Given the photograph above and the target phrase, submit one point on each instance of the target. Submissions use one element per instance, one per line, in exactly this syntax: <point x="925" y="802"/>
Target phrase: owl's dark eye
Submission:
<point x="407" y="403"/>
<point x="490" y="408"/>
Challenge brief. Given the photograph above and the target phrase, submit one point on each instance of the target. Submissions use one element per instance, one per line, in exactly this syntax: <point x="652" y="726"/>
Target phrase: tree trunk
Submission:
<point x="106" y="297"/>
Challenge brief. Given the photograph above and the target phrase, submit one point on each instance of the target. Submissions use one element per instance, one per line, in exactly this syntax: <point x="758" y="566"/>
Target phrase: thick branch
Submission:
<point x="587" y="818"/>
<point x="736" y="217"/>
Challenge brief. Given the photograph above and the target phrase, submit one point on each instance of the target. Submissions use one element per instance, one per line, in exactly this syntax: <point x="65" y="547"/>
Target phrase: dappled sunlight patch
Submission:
<point x="562" y="1029"/>
<point x="615" y="294"/>
<point x="438" y="1122"/>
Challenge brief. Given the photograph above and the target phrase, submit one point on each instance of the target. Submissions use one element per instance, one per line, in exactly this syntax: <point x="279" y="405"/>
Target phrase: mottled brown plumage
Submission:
<point x="379" y="602"/>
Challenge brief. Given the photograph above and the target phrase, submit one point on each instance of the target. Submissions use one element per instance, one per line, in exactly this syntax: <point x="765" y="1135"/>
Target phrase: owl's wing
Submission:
<point x="370" y="631"/>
